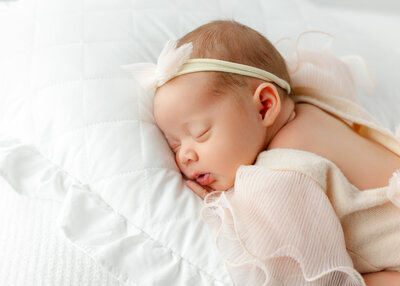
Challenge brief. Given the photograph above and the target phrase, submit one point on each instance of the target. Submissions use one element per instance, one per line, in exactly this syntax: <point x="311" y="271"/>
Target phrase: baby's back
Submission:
<point x="365" y="164"/>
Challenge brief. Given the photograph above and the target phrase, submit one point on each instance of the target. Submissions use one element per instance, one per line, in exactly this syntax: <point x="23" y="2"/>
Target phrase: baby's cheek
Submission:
<point x="177" y="161"/>
<point x="226" y="153"/>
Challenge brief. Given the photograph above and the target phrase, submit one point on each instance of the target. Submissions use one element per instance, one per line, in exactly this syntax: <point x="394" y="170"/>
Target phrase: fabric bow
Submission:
<point x="169" y="62"/>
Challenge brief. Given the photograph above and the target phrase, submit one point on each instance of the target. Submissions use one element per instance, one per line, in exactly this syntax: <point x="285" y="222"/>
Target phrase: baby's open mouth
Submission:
<point x="203" y="179"/>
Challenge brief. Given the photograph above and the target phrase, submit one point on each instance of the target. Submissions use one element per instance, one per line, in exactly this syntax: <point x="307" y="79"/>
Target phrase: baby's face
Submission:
<point x="211" y="135"/>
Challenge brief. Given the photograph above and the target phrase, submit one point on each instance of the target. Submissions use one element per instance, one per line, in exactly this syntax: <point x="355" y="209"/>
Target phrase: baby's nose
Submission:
<point x="187" y="156"/>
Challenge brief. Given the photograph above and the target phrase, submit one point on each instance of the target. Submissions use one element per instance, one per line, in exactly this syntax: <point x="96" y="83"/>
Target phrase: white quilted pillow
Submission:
<point x="123" y="199"/>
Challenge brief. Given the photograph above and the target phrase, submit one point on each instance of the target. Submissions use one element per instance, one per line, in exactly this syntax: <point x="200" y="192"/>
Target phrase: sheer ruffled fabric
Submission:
<point x="279" y="228"/>
<point x="312" y="65"/>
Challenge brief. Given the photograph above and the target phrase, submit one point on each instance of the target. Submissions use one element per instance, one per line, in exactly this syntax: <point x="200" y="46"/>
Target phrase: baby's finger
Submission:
<point x="197" y="189"/>
<point x="207" y="188"/>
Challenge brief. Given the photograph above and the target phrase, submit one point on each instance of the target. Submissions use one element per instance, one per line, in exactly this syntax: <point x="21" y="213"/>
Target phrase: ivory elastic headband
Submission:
<point x="174" y="61"/>
<point x="197" y="65"/>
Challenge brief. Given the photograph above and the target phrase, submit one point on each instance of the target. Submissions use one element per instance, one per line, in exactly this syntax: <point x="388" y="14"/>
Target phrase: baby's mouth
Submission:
<point x="203" y="179"/>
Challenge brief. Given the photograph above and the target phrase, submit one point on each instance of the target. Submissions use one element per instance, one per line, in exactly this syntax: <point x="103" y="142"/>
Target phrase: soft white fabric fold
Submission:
<point x="30" y="173"/>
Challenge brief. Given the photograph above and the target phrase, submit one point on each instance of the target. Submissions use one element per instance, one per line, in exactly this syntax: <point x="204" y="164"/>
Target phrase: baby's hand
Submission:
<point x="197" y="189"/>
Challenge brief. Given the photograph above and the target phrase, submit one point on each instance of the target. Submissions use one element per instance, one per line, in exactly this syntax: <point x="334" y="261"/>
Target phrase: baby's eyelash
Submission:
<point x="202" y="134"/>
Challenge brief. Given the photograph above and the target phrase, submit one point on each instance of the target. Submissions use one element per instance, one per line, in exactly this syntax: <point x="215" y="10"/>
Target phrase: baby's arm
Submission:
<point x="387" y="278"/>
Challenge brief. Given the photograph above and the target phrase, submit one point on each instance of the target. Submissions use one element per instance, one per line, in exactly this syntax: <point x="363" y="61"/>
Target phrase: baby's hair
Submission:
<point x="235" y="42"/>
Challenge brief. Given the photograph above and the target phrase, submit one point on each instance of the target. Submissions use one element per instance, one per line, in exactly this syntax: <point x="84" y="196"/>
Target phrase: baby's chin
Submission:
<point x="221" y="186"/>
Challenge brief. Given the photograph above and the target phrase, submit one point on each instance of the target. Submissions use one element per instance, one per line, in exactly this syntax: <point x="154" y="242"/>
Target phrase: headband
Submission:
<point x="174" y="62"/>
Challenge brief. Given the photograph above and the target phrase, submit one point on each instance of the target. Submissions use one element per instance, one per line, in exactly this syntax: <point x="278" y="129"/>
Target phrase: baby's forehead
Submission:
<point x="182" y="93"/>
<point x="200" y="90"/>
<point x="202" y="79"/>
<point x="187" y="88"/>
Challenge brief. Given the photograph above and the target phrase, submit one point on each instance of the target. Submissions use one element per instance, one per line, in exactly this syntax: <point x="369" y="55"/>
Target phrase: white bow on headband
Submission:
<point x="175" y="61"/>
<point x="169" y="62"/>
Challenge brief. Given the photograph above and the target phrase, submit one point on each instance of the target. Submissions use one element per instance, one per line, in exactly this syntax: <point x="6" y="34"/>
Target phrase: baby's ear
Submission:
<point x="268" y="102"/>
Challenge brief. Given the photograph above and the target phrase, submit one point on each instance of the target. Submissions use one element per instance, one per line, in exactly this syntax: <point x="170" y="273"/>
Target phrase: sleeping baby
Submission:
<point x="298" y="180"/>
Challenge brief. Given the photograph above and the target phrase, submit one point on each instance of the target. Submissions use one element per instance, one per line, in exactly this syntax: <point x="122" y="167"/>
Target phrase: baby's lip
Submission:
<point x="204" y="179"/>
<point x="195" y="175"/>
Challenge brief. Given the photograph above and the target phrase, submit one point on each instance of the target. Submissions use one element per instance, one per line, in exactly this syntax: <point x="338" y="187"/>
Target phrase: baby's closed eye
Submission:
<point x="203" y="135"/>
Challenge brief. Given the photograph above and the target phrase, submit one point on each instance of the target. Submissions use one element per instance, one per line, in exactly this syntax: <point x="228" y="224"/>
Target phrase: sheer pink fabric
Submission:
<point x="279" y="228"/>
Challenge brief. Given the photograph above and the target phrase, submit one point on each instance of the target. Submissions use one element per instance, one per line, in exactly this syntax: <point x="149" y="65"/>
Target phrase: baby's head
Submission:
<point x="215" y="121"/>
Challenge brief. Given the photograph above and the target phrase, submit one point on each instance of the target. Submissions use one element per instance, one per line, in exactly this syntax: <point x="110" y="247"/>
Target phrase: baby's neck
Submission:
<point x="286" y="115"/>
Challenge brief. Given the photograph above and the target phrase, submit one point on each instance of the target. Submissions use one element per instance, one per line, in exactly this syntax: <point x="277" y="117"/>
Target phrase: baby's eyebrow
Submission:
<point x="185" y="126"/>
<point x="195" y="125"/>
